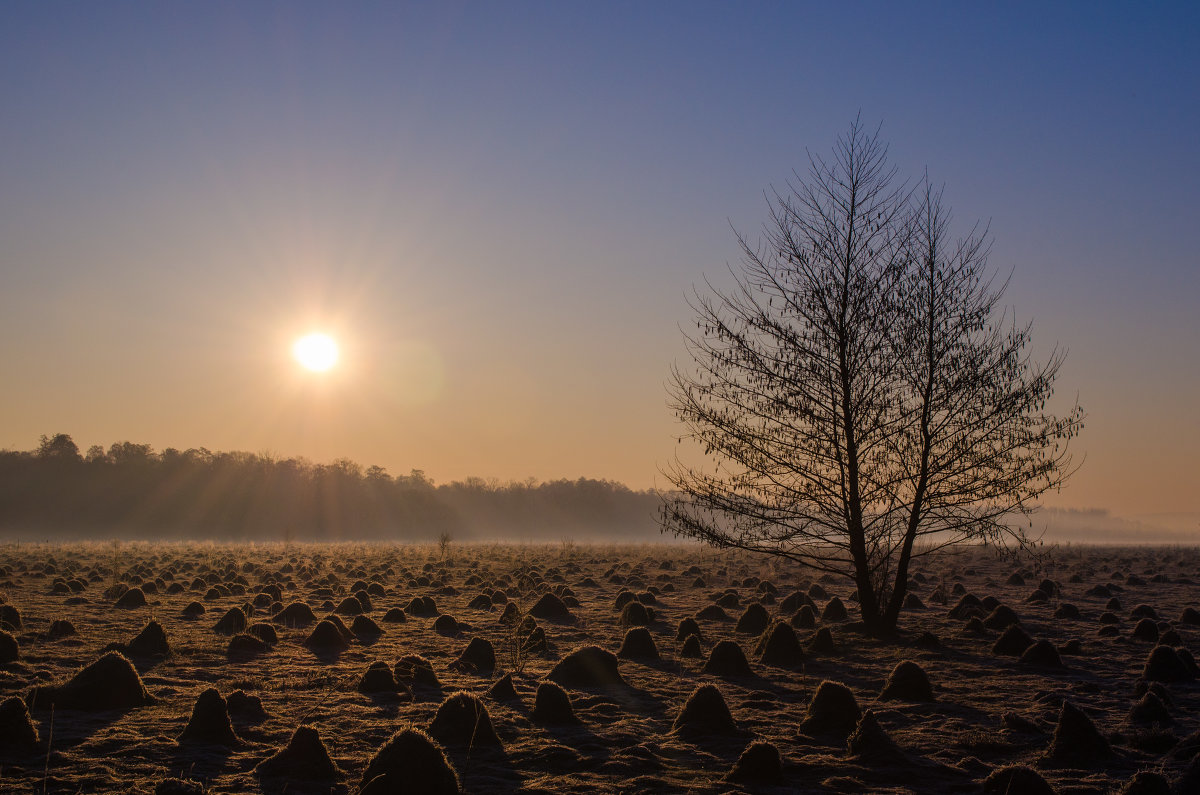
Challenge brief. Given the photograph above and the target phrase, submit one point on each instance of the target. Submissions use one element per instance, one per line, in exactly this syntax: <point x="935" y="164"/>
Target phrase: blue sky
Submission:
<point x="500" y="209"/>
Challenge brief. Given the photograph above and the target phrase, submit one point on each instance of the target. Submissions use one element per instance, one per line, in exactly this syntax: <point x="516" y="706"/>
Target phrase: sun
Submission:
<point x="317" y="352"/>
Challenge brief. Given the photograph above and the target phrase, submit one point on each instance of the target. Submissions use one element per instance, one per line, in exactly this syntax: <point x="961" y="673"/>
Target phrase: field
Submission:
<point x="1083" y="709"/>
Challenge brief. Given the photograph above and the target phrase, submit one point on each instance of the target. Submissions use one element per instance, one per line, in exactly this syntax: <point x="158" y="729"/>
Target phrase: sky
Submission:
<point x="499" y="210"/>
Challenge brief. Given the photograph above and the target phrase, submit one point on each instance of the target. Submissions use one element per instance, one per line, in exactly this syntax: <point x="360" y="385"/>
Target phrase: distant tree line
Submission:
<point x="131" y="491"/>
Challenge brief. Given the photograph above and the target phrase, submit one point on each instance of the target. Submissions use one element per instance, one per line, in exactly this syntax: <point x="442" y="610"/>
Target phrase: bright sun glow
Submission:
<point x="317" y="352"/>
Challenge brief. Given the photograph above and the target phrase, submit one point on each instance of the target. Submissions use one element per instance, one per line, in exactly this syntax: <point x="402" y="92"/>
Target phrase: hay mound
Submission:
<point x="834" y="610"/>
<point x="150" y="642"/>
<point x="134" y="597"/>
<point x="727" y="660"/>
<point x="780" y="647"/>
<point x="705" y="713"/>
<point x="1150" y="710"/>
<point x="804" y="618"/>
<point x="410" y="761"/>
<point x="61" y="628"/>
<point x="1016" y="779"/>
<point x="589" y="666"/>
<point x="395" y="616"/>
<point x="712" y="613"/>
<point x="326" y="636"/>
<point x="350" y="606"/>
<point x="822" y="642"/>
<point x="1066" y="610"/>
<point x="907" y="682"/>
<point x="1147" y="782"/>
<point x="304" y="758"/>
<point x="264" y="632"/>
<point x="1002" y="617"/>
<point x="244" y="646"/>
<point x="422" y="606"/>
<point x="10" y="617"/>
<point x="638" y="645"/>
<point x="233" y="622"/>
<point x="833" y="710"/>
<point x="210" y="722"/>
<point x="871" y="743"/>
<point x="687" y="626"/>
<point x="1190" y="616"/>
<point x="502" y="689"/>
<point x="245" y="708"/>
<point x="552" y="706"/>
<point x="635" y="614"/>
<point x="1143" y="611"/>
<point x="463" y="720"/>
<point x="365" y="628"/>
<point x="18" y="735"/>
<point x="110" y="682"/>
<point x="551" y="608"/>
<point x="1146" y="630"/>
<point x="927" y="641"/>
<point x="1165" y="665"/>
<point x="480" y="602"/>
<point x="1042" y="654"/>
<point x="691" y="648"/>
<point x="378" y="678"/>
<point x="413" y="669"/>
<point x="913" y="602"/>
<point x="446" y="625"/>
<point x="754" y="620"/>
<point x="297" y="614"/>
<point x="478" y="657"/>
<point x="968" y="606"/>
<point x="193" y="610"/>
<point x="1076" y="739"/>
<point x="10" y="650"/>
<point x="760" y="763"/>
<point x="1013" y="642"/>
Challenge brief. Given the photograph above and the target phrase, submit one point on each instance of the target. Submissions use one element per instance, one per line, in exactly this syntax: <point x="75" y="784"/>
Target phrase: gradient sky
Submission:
<point x="499" y="208"/>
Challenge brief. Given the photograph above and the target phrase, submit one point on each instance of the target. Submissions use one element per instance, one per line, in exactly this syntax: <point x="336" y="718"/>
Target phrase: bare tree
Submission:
<point x="856" y="391"/>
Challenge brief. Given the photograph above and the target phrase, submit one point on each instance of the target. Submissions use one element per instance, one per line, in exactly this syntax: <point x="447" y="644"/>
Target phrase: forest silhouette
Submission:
<point x="131" y="491"/>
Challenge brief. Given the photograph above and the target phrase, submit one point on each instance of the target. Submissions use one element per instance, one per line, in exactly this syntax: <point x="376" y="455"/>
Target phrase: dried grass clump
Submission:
<point x="551" y="608"/>
<point x="1076" y="740"/>
<point x="10" y="650"/>
<point x="635" y="614"/>
<point x="245" y="707"/>
<point x="61" y="628"/>
<point x="754" y="620"/>
<point x="365" y="628"/>
<point x="1067" y="611"/>
<point x="18" y="734"/>
<point x="1013" y="642"/>
<point x="727" y="660"/>
<point x="233" y="622"/>
<point x="712" y="613"/>
<point x="1150" y="710"/>
<point x="833" y="710"/>
<point x="422" y="606"/>
<point x="109" y="683"/>
<point x="1002" y="617"/>
<point x="395" y="615"/>
<point x="10" y="617"/>
<point x="760" y="763"/>
<point x="1042" y="654"/>
<point x="264" y="632"/>
<point x="304" y="758"/>
<point x="478" y="657"/>
<point x="687" y="626"/>
<point x="326" y="636"/>
<point x="552" y="706"/>
<point x="691" y="648"/>
<point x="638" y="644"/>
<point x="588" y="666"/>
<point x="502" y="689"/>
<point x="780" y="647"/>
<point x="414" y="670"/>
<point x="133" y="598"/>
<point x="410" y="761"/>
<point x="150" y="642"/>
<point x="1146" y="630"/>
<point x="244" y="646"/>
<point x="463" y="720"/>
<point x="834" y="610"/>
<point x="378" y="678"/>
<point x="869" y="742"/>
<point x="1015" y="779"/>
<point x="804" y="618"/>
<point x="822" y="642"/>
<point x="210" y="722"/>
<point x="907" y="682"/>
<point x="1165" y="665"/>
<point x="296" y="614"/>
<point x="193" y="610"/>
<point x="968" y="606"/>
<point x="705" y="713"/>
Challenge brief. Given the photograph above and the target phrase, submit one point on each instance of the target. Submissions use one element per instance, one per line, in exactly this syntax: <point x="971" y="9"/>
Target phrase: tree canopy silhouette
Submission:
<point x="861" y="389"/>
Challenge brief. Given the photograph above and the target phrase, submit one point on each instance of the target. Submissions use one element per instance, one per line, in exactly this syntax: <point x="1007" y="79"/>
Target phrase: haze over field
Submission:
<point x="495" y="213"/>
